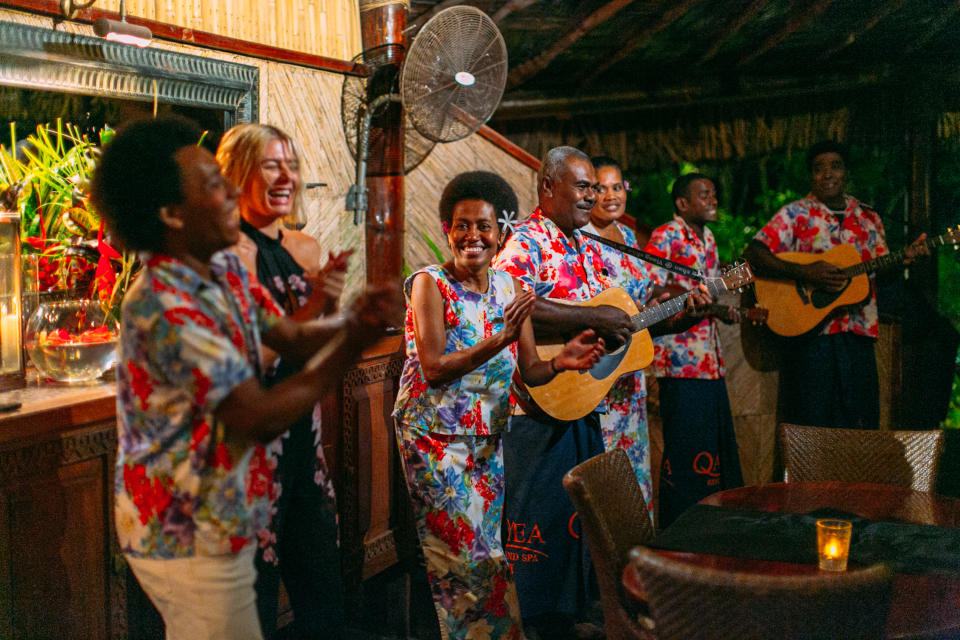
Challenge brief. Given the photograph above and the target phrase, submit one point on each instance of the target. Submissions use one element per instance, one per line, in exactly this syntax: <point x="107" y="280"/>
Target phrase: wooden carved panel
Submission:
<point x="56" y="538"/>
<point x="370" y="486"/>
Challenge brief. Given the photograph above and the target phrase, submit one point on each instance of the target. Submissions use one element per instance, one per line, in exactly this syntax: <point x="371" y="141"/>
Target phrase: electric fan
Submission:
<point x="451" y="82"/>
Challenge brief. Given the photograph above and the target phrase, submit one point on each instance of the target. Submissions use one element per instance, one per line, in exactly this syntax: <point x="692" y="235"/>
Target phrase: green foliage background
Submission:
<point x="753" y="189"/>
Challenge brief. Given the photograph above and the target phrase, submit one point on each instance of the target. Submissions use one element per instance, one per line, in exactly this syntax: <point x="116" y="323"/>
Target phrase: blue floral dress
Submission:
<point x="449" y="437"/>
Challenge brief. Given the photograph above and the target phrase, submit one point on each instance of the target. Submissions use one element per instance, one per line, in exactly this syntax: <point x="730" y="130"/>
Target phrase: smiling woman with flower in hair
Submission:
<point x="467" y="330"/>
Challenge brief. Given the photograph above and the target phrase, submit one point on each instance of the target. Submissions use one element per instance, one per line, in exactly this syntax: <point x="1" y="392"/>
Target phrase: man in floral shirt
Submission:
<point x="547" y="252"/>
<point x="193" y="480"/>
<point x="699" y="445"/>
<point x="830" y="375"/>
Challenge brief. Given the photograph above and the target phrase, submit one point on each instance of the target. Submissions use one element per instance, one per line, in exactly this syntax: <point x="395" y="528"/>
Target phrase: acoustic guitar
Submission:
<point x="573" y="394"/>
<point x="796" y="308"/>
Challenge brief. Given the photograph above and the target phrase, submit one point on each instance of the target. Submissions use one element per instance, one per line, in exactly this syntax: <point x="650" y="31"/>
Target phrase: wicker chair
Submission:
<point x="688" y="602"/>
<point x="900" y="458"/>
<point x="614" y="516"/>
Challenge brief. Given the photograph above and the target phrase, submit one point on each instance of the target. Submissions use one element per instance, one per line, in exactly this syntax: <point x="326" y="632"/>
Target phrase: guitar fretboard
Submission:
<point x="895" y="258"/>
<point x="671" y="307"/>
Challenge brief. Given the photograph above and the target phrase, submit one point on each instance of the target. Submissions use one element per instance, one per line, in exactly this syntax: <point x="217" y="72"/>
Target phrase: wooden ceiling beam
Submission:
<point x="637" y="41"/>
<point x="521" y="106"/>
<point x="946" y="15"/>
<point x="509" y="7"/>
<point x="745" y="16"/>
<point x="794" y="24"/>
<point x="885" y="10"/>
<point x="579" y="28"/>
<point x="421" y="19"/>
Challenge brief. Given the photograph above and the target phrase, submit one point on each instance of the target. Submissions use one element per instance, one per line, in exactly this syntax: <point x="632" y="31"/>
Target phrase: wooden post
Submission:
<point x="922" y="137"/>
<point x="382" y="22"/>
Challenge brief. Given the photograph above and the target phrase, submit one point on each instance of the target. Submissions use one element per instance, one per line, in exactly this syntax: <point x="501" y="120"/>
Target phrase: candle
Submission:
<point x="10" y="342"/>
<point x="833" y="544"/>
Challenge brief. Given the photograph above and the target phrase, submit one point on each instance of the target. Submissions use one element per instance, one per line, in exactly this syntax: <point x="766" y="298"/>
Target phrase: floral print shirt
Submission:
<point x="477" y="403"/>
<point x="183" y="487"/>
<point x="538" y="254"/>
<point x="694" y="353"/>
<point x="808" y="226"/>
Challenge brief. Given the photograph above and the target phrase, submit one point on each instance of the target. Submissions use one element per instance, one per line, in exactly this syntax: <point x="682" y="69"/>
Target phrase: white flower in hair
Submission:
<point x="507" y="219"/>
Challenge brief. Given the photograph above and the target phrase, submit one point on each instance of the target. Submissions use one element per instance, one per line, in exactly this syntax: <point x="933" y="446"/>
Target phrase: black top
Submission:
<point x="277" y="271"/>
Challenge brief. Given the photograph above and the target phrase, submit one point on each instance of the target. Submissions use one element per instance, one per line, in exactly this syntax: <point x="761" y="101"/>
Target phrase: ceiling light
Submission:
<point x="121" y="30"/>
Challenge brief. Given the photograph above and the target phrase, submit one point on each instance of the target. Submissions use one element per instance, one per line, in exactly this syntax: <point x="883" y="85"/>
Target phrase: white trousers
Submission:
<point x="203" y="597"/>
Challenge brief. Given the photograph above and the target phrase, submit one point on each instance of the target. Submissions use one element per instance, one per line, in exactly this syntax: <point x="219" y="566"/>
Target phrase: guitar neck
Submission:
<point x="671" y="307"/>
<point x="892" y="259"/>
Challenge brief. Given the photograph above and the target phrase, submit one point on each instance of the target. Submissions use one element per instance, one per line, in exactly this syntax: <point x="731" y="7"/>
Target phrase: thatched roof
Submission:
<point x="572" y="57"/>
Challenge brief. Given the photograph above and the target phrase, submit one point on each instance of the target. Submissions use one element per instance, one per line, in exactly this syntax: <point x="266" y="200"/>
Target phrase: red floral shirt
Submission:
<point x="538" y="254"/>
<point x="696" y="352"/>
<point x="183" y="487"/>
<point x="808" y="226"/>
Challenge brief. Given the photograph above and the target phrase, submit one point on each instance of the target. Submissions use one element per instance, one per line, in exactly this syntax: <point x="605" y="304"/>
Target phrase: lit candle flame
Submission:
<point x="831" y="549"/>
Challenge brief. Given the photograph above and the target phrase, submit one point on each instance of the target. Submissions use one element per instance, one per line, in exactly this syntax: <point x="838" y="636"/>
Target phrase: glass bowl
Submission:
<point x="71" y="340"/>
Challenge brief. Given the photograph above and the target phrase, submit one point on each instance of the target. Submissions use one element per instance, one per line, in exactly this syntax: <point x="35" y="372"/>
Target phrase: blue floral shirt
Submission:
<point x="477" y="403"/>
<point x="183" y="486"/>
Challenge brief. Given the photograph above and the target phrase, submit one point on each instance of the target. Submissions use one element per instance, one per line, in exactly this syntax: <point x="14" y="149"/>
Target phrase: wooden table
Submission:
<point x="920" y="605"/>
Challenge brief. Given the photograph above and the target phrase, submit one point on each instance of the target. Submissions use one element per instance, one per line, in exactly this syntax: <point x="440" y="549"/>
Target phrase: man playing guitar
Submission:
<point x="829" y="376"/>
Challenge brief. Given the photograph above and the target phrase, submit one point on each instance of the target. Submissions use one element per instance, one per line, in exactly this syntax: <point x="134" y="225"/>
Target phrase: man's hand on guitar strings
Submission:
<point x="823" y="275"/>
<point x="698" y="302"/>
<point x="611" y="324"/>
<point x="916" y="249"/>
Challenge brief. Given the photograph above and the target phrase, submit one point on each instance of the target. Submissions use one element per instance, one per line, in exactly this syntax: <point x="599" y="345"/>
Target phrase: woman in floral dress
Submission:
<point x="467" y="331"/>
<point x="624" y="425"/>
<point x="303" y="536"/>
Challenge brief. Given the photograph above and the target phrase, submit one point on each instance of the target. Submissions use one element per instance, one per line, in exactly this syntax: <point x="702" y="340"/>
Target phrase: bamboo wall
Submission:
<point x="306" y="103"/>
<point x="321" y="27"/>
<point x="642" y="145"/>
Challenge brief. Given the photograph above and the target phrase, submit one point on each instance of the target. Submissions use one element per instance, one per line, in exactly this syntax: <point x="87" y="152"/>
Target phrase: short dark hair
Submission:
<point x="826" y="146"/>
<point x="681" y="186"/>
<point x="605" y="161"/>
<point x="478" y="185"/>
<point x="137" y="175"/>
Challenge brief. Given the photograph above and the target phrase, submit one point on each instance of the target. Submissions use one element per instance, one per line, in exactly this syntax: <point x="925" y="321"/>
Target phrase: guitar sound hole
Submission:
<point x="610" y="361"/>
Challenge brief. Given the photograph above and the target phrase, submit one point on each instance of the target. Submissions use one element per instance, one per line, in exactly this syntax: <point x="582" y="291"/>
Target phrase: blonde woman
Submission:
<point x="302" y="542"/>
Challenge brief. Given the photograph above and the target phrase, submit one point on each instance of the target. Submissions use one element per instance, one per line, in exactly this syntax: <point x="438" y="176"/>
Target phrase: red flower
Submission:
<point x="495" y="602"/>
<point x="203" y="386"/>
<point x="264" y="300"/>
<point x="428" y="445"/>
<point x="221" y="457"/>
<point x="456" y="534"/>
<point x="237" y="543"/>
<point x="483" y="488"/>
<point x="260" y="476"/>
<point x="473" y="420"/>
<point x="180" y="315"/>
<point x="150" y="498"/>
<point x="140" y="383"/>
<point x="200" y="433"/>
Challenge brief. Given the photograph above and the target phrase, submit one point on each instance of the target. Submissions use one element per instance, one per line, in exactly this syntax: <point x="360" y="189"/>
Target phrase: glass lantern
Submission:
<point x="11" y="328"/>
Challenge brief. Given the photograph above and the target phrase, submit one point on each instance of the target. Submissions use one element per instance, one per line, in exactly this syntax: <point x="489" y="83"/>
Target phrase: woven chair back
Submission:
<point x="901" y="458"/>
<point x="614" y="518"/>
<point x="688" y="602"/>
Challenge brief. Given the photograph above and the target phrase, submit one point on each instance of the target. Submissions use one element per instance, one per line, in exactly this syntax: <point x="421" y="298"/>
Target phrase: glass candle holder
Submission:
<point x="833" y="544"/>
<point x="11" y="336"/>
